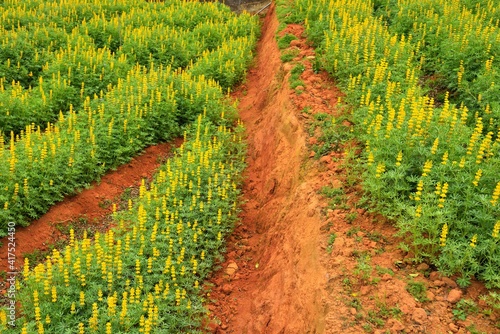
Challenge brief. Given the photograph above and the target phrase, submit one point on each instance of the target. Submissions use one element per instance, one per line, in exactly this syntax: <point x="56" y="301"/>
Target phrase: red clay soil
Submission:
<point x="92" y="204"/>
<point x="281" y="273"/>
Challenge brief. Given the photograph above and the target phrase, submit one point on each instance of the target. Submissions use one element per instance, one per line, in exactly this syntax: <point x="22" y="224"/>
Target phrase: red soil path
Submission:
<point x="88" y="204"/>
<point x="278" y="285"/>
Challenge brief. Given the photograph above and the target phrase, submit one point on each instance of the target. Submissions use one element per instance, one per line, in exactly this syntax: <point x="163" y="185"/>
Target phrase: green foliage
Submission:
<point x="284" y="42"/>
<point x="331" y="241"/>
<point x="464" y="308"/>
<point x="417" y="290"/>
<point x="337" y="196"/>
<point x="363" y="267"/>
<point x="65" y="53"/>
<point x="288" y="55"/>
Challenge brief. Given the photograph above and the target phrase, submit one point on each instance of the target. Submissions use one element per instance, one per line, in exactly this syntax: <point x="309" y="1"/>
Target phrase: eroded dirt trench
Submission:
<point x="272" y="280"/>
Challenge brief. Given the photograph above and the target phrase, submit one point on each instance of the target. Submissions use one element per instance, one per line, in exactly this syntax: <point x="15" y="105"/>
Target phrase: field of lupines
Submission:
<point x="423" y="79"/>
<point x="145" y="275"/>
<point x="86" y="85"/>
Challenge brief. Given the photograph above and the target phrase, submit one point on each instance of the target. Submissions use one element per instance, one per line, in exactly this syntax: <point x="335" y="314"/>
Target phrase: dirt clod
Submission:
<point x="419" y="316"/>
<point x="231" y="268"/>
<point x="454" y="328"/>
<point x="423" y="267"/>
<point x="454" y="296"/>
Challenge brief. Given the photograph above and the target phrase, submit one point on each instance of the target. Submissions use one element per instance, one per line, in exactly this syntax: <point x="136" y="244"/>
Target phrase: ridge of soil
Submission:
<point x="91" y="205"/>
<point x="282" y="272"/>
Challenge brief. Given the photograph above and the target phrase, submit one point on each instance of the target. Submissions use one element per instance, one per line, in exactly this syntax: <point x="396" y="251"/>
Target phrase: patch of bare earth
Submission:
<point x="296" y="264"/>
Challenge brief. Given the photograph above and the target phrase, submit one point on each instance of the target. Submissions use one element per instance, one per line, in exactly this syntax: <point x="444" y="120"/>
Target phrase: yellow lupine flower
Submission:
<point x="418" y="211"/>
<point x="399" y="158"/>
<point x="444" y="161"/>
<point x="82" y="298"/>
<point x="40" y="328"/>
<point x="435" y="146"/>
<point x="477" y="177"/>
<point x="380" y="170"/>
<point x="54" y="294"/>
<point x="38" y="316"/>
<point x="94" y="319"/>
<point x="418" y="193"/>
<point x="473" y="241"/>
<point x="496" y="195"/>
<point x="444" y="191"/>
<point x="108" y="328"/>
<point x="496" y="230"/>
<point x="444" y="233"/>
<point x="427" y="168"/>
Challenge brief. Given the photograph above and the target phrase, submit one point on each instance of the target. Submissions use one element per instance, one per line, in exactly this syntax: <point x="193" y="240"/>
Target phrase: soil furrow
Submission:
<point x="272" y="279"/>
<point x="89" y="207"/>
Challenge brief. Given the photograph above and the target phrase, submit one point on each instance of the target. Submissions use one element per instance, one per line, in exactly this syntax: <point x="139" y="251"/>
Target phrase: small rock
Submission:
<point x="295" y="42"/>
<point x="287" y="67"/>
<point x="339" y="260"/>
<point x="406" y="309"/>
<point x="360" y="211"/>
<point x="299" y="88"/>
<point x="434" y="276"/>
<point x="386" y="277"/>
<point x="449" y="282"/>
<point x="227" y="288"/>
<point x="353" y="311"/>
<point x="326" y="159"/>
<point x="419" y="315"/>
<point x="465" y="323"/>
<point x="453" y="327"/>
<point x="396" y="325"/>
<point x="231" y="268"/>
<point x="454" y="296"/>
<point x="312" y="154"/>
<point x="438" y="283"/>
<point x="339" y="242"/>
<point x="430" y="296"/>
<point x="422" y="267"/>
<point x="313" y="141"/>
<point x="365" y="289"/>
